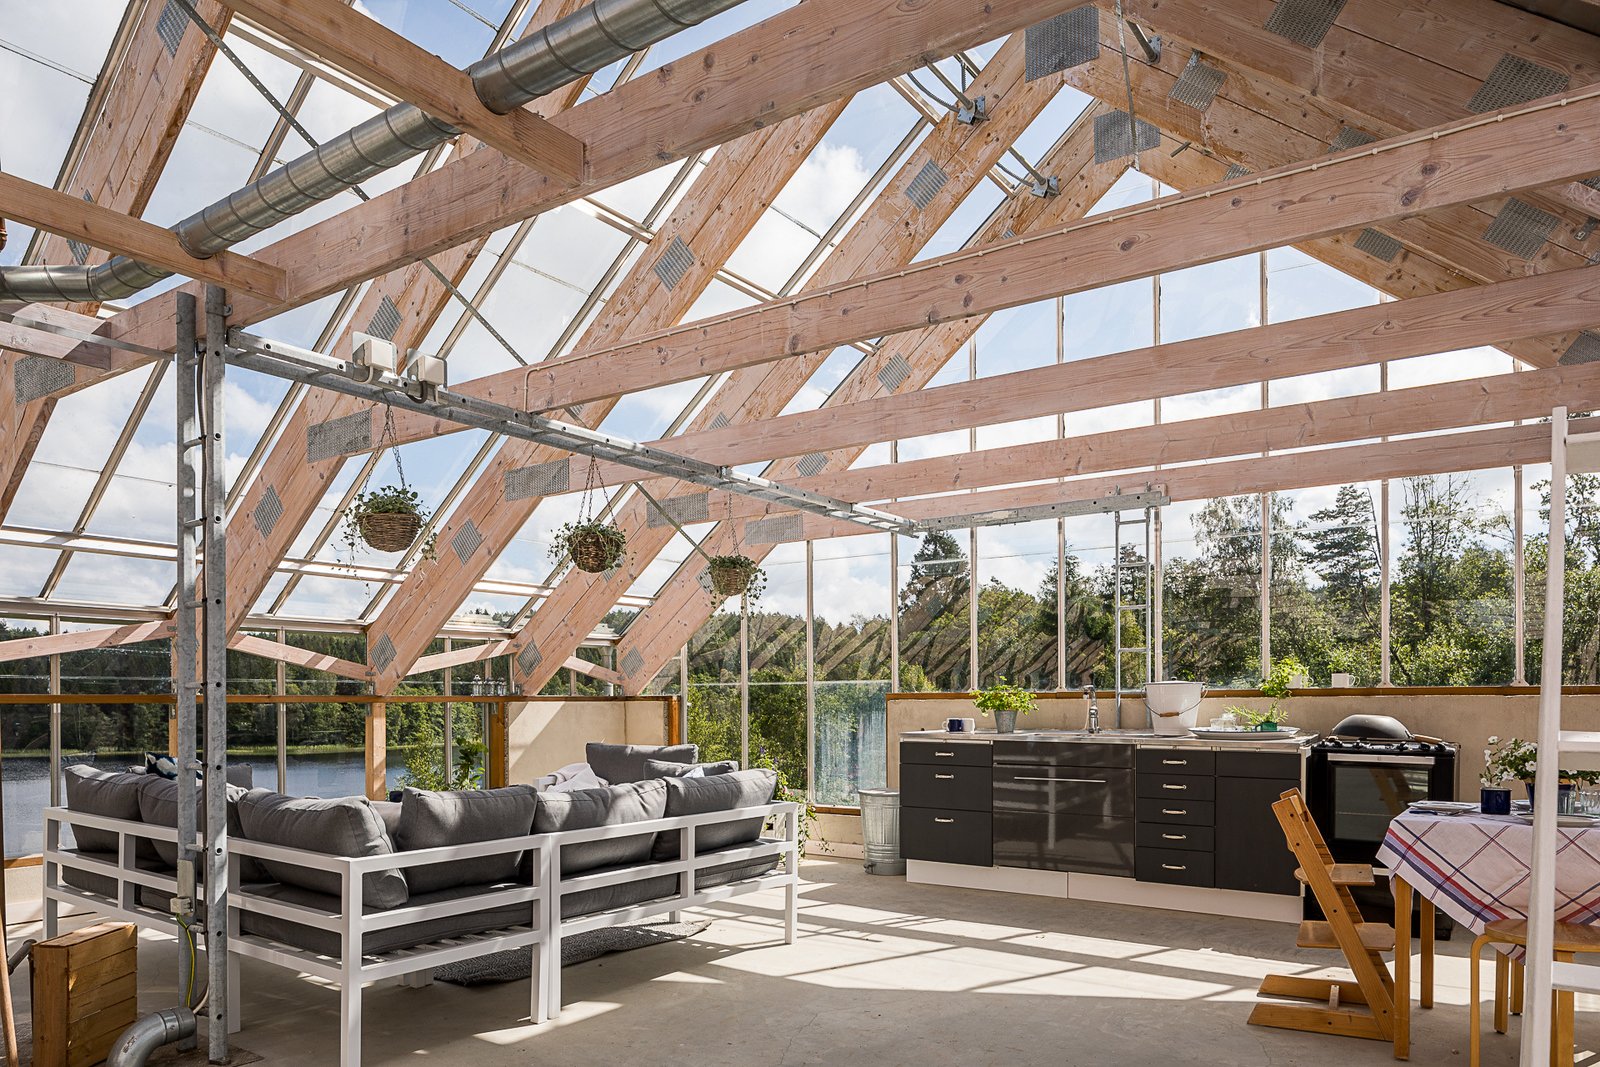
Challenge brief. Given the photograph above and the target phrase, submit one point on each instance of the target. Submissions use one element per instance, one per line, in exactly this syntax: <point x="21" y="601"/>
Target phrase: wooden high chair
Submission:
<point x="1360" y="1008"/>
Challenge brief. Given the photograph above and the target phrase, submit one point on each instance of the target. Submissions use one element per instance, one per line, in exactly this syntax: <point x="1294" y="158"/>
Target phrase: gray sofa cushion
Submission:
<point x="721" y="792"/>
<point x="346" y="826"/>
<point x="389" y="812"/>
<point x="625" y="763"/>
<point x="95" y="792"/>
<point x="621" y="895"/>
<point x="158" y="805"/>
<point x="654" y="768"/>
<point x="583" y="809"/>
<point x="431" y="820"/>
<point x="326" y="942"/>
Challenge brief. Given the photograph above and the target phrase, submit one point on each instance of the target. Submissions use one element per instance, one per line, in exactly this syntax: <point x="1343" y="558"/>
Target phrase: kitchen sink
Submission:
<point x="1108" y="734"/>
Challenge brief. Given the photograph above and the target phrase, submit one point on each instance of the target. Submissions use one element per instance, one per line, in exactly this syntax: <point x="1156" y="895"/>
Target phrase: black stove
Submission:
<point x="1365" y="772"/>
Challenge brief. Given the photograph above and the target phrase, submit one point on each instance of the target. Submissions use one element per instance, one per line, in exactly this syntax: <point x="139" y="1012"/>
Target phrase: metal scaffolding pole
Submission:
<point x="185" y="652"/>
<point x="221" y="1002"/>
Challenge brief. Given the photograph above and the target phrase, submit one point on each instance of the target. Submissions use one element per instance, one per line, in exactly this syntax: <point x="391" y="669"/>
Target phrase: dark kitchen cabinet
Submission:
<point x="948" y="786"/>
<point x="1100" y="791"/>
<point x="947" y="836"/>
<point x="946" y="753"/>
<point x="1251" y="852"/>
<point x="1064" y="806"/>
<point x="1087" y="844"/>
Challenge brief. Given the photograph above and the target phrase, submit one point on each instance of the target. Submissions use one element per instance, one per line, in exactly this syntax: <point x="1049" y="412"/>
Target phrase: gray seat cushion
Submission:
<point x="654" y="768"/>
<point x="621" y="895"/>
<point x="721" y="792"/>
<point x="625" y="763"/>
<point x="430" y="819"/>
<point x="95" y="792"/>
<point x="377" y="942"/>
<point x="584" y="809"/>
<point x="346" y="826"/>
<point x="104" y="884"/>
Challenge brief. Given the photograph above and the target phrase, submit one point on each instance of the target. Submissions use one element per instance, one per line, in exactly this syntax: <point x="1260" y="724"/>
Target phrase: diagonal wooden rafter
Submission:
<point x="963" y="153"/>
<point x="718" y="212"/>
<point x="580" y="597"/>
<point x="136" y="115"/>
<point x="371" y="52"/>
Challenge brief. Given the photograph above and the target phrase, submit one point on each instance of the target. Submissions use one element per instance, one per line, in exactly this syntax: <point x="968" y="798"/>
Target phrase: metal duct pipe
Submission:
<point x="150" y="1033"/>
<point x="583" y="42"/>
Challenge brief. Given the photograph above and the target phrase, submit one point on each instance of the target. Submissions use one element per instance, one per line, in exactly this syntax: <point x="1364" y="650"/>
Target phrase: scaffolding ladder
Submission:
<point x="1570" y="453"/>
<point x="1132" y="591"/>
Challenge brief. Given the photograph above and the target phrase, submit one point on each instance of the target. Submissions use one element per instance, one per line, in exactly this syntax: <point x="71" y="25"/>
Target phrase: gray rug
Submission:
<point x="513" y="966"/>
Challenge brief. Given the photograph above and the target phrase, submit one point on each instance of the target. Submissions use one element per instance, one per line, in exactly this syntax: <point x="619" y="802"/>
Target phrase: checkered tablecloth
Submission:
<point x="1475" y="868"/>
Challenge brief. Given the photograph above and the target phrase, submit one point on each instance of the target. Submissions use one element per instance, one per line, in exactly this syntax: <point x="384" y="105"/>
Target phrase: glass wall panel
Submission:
<point x="714" y="686"/>
<point x="1017" y="605"/>
<point x="25" y="742"/>
<point x="934" y="586"/>
<point x="777" y="637"/>
<point x="1211" y="606"/>
<point x="1326" y="587"/>
<point x="851" y="628"/>
<point x="327" y="740"/>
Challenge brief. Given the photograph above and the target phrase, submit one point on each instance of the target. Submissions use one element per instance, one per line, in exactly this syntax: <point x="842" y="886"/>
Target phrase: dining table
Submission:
<point x="1475" y="868"/>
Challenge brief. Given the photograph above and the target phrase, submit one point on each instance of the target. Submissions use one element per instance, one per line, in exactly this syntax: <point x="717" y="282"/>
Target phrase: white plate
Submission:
<point x="1283" y="733"/>
<point x="1562" y="820"/>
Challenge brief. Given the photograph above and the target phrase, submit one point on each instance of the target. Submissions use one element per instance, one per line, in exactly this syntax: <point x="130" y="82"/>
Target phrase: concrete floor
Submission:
<point x="883" y="974"/>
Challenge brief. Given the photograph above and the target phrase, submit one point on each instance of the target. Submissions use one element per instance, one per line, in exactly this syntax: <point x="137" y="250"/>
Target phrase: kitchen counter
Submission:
<point x="1125" y="737"/>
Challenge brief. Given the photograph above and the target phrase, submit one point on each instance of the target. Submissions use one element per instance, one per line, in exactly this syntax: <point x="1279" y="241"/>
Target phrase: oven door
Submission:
<point x="1361" y="793"/>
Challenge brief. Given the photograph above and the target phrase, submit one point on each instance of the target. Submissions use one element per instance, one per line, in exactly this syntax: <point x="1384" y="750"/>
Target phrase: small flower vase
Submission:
<point x="1266" y="726"/>
<point x="1495" y="800"/>
<point x="1005" y="720"/>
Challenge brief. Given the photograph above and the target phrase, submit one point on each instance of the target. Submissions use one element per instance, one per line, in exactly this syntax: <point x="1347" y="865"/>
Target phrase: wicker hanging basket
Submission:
<point x="389" y="531"/>
<point x="597" y="548"/>
<point x="730" y="576"/>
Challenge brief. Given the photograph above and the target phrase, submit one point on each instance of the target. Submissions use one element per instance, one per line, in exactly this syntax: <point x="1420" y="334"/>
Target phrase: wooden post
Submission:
<point x="497" y="759"/>
<point x="377" y="750"/>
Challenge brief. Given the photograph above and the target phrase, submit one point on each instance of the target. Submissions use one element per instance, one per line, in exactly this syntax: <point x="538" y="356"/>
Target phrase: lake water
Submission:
<point x="25" y="786"/>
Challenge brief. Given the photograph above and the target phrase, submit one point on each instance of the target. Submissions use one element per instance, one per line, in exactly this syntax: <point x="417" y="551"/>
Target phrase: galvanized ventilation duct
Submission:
<point x="581" y="43"/>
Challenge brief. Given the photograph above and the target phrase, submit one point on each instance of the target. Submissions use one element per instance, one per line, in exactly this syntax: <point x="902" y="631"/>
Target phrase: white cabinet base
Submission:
<point x="1100" y="888"/>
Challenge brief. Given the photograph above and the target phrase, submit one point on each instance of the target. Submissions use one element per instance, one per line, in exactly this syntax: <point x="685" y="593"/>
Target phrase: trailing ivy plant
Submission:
<point x="753" y="577"/>
<point x="385" y="500"/>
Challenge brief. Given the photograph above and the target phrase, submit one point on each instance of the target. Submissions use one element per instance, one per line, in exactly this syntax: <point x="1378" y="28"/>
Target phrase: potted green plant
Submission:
<point x="595" y="546"/>
<point x="736" y="575"/>
<point x="1005" y="701"/>
<point x="388" y="519"/>
<point x="1278" y="685"/>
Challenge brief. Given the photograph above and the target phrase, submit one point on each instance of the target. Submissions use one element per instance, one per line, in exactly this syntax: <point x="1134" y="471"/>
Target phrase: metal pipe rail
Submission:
<point x="337" y="375"/>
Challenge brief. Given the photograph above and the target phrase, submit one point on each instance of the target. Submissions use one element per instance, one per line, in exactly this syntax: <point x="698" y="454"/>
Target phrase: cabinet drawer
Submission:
<point x="1177" y="811"/>
<point x="1174" y="867"/>
<point x="1260" y="765"/>
<point x="950" y="786"/>
<point x="1166" y="835"/>
<point x="1086" y="844"/>
<point x="1063" y="754"/>
<point x="947" y="836"/>
<point x="944" y="753"/>
<point x="1176" y="761"/>
<point x="1102" y="791"/>
<point x="1177" y="786"/>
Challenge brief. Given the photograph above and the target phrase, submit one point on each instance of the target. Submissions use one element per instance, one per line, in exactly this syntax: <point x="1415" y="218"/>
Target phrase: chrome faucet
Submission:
<point x="1094" y="708"/>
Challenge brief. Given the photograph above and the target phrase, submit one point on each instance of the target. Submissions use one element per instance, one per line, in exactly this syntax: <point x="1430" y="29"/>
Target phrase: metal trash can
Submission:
<point x="880" y="831"/>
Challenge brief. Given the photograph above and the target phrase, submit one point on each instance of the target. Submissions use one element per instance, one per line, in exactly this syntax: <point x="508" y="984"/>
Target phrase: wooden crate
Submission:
<point x="85" y="994"/>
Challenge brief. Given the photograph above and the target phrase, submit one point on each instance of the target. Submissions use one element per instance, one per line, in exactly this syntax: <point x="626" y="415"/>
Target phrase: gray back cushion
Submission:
<point x="654" y="768"/>
<point x="625" y="763"/>
<point x="583" y="809"/>
<point x="430" y="820"/>
<point x="95" y="792"/>
<point x="158" y="805"/>
<point x="346" y="826"/>
<point x="720" y="792"/>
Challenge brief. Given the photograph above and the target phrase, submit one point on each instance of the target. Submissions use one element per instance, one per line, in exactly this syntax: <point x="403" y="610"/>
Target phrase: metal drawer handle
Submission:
<point x="1169" y="785"/>
<point x="1174" y="763"/>
<point x="943" y="777"/>
<point x="937" y="819"/>
<point x="1174" y="811"/>
<point x="946" y="755"/>
<point x="1174" y="837"/>
<point x="1174" y="867"/>
<point x="1082" y="781"/>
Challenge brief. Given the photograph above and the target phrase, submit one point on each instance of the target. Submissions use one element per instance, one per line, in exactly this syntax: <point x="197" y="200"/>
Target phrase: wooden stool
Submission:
<point x="1571" y="938"/>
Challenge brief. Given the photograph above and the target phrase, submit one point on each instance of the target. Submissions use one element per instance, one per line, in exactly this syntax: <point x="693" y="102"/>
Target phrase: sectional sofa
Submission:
<point x="354" y="891"/>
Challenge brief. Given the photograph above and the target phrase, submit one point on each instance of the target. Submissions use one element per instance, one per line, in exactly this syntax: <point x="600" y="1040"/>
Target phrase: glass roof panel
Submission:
<point x="23" y="570"/>
<point x="117" y="579"/>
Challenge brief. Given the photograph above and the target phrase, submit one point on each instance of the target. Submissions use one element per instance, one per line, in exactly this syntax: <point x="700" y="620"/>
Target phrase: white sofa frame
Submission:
<point x="352" y="968"/>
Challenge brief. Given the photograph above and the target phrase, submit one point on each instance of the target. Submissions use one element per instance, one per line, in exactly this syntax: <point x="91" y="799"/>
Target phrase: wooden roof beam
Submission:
<point x="113" y="231"/>
<point x="371" y="52"/>
<point x="1459" y="163"/>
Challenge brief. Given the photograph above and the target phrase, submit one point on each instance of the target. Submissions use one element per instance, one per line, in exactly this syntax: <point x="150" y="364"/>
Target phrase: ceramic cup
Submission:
<point x="955" y="726"/>
<point x="1495" y="800"/>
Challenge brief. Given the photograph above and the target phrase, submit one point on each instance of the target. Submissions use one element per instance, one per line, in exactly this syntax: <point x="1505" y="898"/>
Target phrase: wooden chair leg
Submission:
<point x="1502" y="992"/>
<point x="1474" y="1009"/>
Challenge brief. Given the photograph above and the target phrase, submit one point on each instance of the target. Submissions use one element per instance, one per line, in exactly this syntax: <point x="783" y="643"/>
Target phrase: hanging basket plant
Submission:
<point x="595" y="547"/>
<point x="737" y="576"/>
<point x="387" y="519"/>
